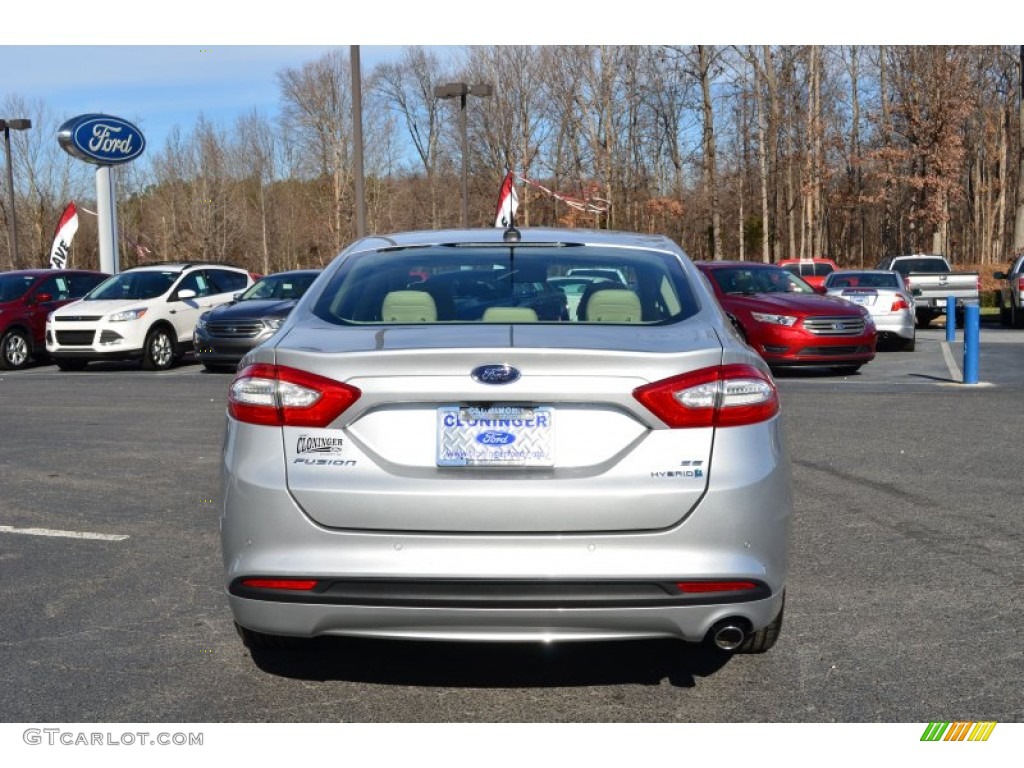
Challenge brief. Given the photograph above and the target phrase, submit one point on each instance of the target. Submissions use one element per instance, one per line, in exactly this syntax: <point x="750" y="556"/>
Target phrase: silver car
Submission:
<point x="401" y="462"/>
<point x="883" y="293"/>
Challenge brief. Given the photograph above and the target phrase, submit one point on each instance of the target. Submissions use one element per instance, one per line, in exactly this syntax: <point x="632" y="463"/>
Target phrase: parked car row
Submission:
<point x="154" y="314"/>
<point x="799" y="312"/>
<point x="157" y="313"/>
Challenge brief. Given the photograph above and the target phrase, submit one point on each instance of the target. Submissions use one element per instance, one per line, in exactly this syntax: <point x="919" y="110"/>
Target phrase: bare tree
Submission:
<point x="316" y="100"/>
<point x="407" y="87"/>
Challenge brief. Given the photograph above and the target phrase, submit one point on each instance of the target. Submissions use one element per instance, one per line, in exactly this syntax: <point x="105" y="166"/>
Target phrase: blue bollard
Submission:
<point x="972" y="331"/>
<point x="950" y="318"/>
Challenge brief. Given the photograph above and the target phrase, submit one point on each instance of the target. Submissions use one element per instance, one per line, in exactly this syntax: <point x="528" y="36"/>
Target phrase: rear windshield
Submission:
<point x="863" y="280"/>
<point x="508" y="284"/>
<point x="933" y="266"/>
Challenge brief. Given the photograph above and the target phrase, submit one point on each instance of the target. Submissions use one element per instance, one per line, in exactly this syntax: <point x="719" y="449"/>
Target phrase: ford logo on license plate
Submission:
<point x="495" y="374"/>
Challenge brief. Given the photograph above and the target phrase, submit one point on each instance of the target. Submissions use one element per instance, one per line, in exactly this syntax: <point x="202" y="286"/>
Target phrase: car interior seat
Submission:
<point x="408" y="307"/>
<point x="588" y="294"/>
<point x="614" y="305"/>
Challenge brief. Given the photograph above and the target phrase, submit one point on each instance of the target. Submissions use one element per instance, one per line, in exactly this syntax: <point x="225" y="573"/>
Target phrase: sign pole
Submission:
<point x="106" y="219"/>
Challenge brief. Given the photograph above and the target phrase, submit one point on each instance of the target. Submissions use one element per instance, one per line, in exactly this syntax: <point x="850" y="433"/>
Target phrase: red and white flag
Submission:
<point x="66" y="228"/>
<point x="508" y="202"/>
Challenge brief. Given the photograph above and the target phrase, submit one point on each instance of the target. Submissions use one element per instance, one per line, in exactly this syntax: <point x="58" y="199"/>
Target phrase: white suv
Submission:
<point x="146" y="313"/>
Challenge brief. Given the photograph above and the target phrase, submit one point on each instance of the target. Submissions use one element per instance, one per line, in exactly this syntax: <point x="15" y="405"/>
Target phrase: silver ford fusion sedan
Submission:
<point x="433" y="447"/>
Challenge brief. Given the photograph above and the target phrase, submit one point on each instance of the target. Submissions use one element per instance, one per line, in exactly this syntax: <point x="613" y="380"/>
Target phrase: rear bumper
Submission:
<point x="579" y="585"/>
<point x="901" y="326"/>
<point x="690" y="623"/>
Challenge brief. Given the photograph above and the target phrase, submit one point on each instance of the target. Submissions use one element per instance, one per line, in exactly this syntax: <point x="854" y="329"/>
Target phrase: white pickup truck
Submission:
<point x="931" y="280"/>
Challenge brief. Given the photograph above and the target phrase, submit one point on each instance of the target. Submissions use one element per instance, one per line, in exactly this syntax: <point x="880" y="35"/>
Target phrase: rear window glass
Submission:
<point x="522" y="283"/>
<point x="932" y="266"/>
<point x="864" y="280"/>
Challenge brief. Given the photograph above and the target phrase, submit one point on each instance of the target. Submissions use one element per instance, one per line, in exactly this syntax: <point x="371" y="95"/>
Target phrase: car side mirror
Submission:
<point x="237" y="296"/>
<point x="820" y="289"/>
<point x="999" y="275"/>
<point x="42" y="298"/>
<point x="186" y="293"/>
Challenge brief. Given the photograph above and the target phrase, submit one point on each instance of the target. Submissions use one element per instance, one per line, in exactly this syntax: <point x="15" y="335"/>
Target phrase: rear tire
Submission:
<point x="158" y="354"/>
<point x="909" y="344"/>
<point x="15" y="350"/>
<point x="1016" y="317"/>
<point x="764" y="638"/>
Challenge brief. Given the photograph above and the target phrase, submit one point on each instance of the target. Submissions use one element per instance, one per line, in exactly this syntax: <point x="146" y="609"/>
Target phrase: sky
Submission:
<point x="161" y="65"/>
<point x="159" y="86"/>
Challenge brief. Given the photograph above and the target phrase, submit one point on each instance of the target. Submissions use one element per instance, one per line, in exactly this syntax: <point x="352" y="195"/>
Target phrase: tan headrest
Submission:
<point x="614" y="305"/>
<point x="408" y="307"/>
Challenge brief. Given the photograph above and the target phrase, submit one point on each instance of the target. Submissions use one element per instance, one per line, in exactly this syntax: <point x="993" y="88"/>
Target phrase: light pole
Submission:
<point x="461" y="91"/>
<point x="19" y="124"/>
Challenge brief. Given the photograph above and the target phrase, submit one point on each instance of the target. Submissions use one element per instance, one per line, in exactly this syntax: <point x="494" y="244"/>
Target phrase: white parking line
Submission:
<point x="63" y="534"/>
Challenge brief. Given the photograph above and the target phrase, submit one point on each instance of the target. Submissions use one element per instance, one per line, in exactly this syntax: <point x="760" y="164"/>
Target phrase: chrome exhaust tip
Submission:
<point x="728" y="636"/>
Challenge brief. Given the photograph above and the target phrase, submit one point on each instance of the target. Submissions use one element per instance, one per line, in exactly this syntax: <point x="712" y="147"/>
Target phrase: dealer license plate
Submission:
<point x="495" y="436"/>
<point x="864" y="299"/>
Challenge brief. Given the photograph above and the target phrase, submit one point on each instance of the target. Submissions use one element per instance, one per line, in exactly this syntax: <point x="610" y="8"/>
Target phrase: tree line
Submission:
<point x="750" y="152"/>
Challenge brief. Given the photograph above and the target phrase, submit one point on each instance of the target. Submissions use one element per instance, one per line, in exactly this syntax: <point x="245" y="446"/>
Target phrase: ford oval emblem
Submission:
<point x="495" y="374"/>
<point x="101" y="139"/>
<point x="495" y="438"/>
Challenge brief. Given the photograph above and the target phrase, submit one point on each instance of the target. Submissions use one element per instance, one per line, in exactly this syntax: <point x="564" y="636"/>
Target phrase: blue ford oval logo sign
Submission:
<point x="495" y="374"/>
<point x="101" y="139"/>
<point x="495" y="438"/>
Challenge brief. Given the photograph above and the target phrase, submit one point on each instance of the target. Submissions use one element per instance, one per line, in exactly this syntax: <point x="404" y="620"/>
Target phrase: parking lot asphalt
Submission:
<point x="904" y="601"/>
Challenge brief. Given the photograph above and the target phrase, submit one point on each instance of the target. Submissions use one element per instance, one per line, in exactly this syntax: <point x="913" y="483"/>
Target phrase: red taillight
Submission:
<point x="295" y="585"/>
<point x="723" y="396"/>
<point x="277" y="396"/>
<point x="699" y="587"/>
<point x="898" y="305"/>
<point x="1020" y="284"/>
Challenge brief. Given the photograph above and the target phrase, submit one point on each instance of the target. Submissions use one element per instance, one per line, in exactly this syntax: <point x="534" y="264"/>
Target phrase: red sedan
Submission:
<point x="786" y="321"/>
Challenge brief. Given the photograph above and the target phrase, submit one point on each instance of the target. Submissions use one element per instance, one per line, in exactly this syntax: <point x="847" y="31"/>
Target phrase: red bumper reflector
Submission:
<point x="696" y="587"/>
<point x="298" y="585"/>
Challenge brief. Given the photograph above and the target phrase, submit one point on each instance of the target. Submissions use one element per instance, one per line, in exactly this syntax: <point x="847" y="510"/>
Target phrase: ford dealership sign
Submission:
<point x="101" y="139"/>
